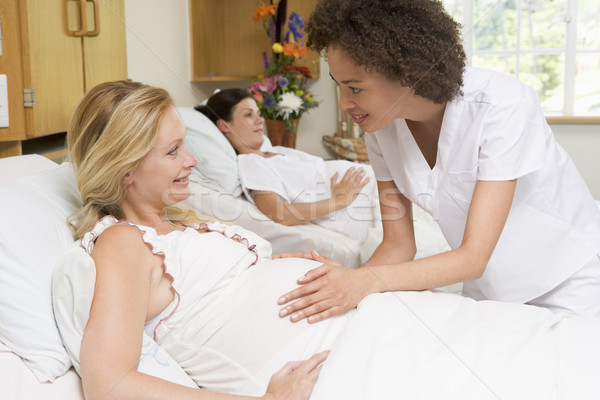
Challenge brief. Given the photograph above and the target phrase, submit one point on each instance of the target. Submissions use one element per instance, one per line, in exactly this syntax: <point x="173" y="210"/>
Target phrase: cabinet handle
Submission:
<point x="96" y="30"/>
<point x="83" y="19"/>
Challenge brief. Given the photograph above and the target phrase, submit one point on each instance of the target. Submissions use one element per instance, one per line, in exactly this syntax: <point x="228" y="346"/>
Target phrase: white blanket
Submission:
<point x="424" y="345"/>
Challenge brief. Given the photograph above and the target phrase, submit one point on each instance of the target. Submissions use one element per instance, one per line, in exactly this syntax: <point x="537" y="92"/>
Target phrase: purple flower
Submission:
<point x="269" y="102"/>
<point x="265" y="60"/>
<point x="272" y="30"/>
<point x="283" y="82"/>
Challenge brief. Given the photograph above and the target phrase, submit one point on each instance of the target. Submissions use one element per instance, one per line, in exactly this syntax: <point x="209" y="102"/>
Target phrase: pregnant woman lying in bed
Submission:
<point x="207" y="293"/>
<point x="288" y="185"/>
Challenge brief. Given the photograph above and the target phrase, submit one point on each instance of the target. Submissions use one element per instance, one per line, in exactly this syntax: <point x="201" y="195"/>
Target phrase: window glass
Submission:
<point x="495" y="25"/>
<point x="588" y="25"/>
<point x="544" y="73"/>
<point x="502" y="63"/>
<point x="454" y="8"/>
<point x="551" y="45"/>
<point x="587" y="84"/>
<point x="543" y="24"/>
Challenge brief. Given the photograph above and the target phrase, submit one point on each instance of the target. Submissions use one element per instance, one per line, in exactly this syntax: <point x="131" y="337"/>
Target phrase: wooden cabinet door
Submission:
<point x="11" y="65"/>
<point x="105" y="55"/>
<point x="52" y="64"/>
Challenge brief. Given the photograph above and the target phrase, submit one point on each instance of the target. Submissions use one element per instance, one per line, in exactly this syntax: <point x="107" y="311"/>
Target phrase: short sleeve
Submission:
<point x="382" y="173"/>
<point x="256" y="173"/>
<point x="513" y="140"/>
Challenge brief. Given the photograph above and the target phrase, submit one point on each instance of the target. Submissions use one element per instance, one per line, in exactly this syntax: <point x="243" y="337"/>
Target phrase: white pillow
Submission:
<point x="216" y="157"/>
<point x="33" y="236"/>
<point x="18" y="166"/>
<point x="217" y="160"/>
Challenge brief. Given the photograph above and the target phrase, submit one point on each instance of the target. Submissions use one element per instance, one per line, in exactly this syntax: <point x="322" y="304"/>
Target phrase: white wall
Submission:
<point x="582" y="142"/>
<point x="158" y="54"/>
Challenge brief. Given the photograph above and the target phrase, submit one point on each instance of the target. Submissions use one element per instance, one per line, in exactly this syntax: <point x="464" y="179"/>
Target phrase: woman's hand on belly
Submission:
<point x="295" y="381"/>
<point x="326" y="291"/>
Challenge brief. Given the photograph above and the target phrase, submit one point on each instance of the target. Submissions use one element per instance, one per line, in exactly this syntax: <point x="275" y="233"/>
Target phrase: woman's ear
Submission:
<point x="223" y="126"/>
<point x="127" y="179"/>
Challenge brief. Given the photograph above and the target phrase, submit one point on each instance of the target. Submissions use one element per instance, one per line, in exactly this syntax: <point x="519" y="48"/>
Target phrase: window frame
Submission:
<point x="570" y="51"/>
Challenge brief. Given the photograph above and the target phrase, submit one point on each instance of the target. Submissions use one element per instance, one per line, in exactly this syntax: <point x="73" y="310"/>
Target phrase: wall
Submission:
<point x="582" y="142"/>
<point x="158" y="54"/>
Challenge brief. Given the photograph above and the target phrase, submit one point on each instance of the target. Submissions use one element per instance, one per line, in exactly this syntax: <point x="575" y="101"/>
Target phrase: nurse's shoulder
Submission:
<point x="495" y="88"/>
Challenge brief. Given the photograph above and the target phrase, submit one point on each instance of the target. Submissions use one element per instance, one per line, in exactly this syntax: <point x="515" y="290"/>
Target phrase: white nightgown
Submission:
<point x="299" y="177"/>
<point x="225" y="331"/>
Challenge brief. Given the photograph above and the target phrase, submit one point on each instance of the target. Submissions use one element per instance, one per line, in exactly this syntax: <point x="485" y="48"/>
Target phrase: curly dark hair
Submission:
<point x="414" y="42"/>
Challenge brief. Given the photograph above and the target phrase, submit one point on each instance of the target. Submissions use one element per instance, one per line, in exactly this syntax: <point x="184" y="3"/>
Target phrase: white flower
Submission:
<point x="289" y="103"/>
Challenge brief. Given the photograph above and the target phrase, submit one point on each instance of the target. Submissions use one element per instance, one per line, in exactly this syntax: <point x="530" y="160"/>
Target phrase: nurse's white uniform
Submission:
<point x="496" y="131"/>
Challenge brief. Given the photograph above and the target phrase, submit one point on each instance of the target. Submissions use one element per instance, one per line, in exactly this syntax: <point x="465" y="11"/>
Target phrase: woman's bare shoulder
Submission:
<point x="119" y="241"/>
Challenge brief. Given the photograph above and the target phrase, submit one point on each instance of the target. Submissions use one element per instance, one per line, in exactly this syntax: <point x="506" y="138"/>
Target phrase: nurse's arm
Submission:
<point x="330" y="290"/>
<point x="487" y="216"/>
<point x="398" y="242"/>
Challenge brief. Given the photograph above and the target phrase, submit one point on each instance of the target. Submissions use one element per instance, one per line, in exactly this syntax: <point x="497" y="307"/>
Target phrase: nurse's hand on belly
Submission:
<point x="328" y="290"/>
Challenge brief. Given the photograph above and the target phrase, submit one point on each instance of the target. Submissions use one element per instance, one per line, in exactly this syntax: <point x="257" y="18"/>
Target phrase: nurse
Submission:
<point x="472" y="148"/>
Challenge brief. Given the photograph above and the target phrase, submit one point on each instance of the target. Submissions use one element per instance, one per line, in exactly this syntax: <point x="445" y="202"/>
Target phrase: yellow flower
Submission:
<point x="277" y="48"/>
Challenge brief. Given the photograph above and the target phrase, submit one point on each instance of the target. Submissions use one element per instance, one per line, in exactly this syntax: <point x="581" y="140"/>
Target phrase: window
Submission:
<point x="552" y="45"/>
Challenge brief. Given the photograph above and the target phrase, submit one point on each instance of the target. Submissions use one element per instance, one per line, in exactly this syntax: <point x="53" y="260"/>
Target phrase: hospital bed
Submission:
<point x="36" y="197"/>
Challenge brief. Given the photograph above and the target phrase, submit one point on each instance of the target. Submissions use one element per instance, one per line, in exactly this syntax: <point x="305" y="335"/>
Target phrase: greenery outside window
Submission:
<point x="552" y="45"/>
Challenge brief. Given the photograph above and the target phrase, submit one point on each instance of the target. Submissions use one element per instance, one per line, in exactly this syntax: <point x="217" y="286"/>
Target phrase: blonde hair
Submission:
<point x="113" y="127"/>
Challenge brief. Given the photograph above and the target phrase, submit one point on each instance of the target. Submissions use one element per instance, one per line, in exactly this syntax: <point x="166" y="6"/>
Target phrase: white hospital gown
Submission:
<point x="299" y="177"/>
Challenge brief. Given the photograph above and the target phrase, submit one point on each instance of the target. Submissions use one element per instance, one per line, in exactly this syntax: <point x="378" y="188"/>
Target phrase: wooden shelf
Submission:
<point x="226" y="43"/>
<point x="222" y="78"/>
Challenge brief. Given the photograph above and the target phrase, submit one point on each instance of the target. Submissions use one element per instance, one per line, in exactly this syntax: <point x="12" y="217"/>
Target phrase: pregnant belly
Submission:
<point x="244" y="327"/>
<point x="252" y="316"/>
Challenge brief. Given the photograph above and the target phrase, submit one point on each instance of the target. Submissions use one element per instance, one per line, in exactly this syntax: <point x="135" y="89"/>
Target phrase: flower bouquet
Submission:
<point x="281" y="92"/>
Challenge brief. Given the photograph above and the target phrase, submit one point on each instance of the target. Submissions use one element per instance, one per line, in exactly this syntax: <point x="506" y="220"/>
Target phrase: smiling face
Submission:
<point x="162" y="178"/>
<point x="372" y="100"/>
<point x="245" y="130"/>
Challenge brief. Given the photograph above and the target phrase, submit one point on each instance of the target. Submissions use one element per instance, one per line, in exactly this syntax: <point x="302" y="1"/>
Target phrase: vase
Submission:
<point x="278" y="133"/>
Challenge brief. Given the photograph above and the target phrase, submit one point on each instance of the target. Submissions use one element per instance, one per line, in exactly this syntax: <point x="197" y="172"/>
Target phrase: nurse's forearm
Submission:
<point x="389" y="252"/>
<point x="427" y="273"/>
